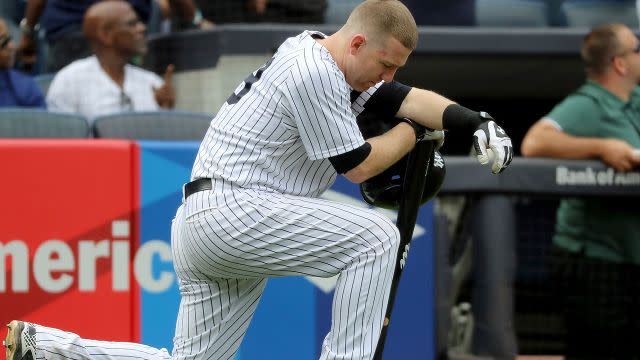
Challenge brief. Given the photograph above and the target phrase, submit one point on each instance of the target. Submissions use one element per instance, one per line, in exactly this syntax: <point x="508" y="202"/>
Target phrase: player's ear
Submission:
<point x="357" y="43"/>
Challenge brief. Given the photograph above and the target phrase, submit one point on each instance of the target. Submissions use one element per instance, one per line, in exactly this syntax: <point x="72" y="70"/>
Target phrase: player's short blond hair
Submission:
<point x="381" y="18"/>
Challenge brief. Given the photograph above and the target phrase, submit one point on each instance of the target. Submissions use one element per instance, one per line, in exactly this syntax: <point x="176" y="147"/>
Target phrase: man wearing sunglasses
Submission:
<point x="597" y="241"/>
<point x="16" y="88"/>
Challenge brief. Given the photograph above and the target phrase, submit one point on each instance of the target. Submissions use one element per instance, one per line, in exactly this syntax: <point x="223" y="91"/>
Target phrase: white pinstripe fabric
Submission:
<point x="267" y="152"/>
<point x="248" y="234"/>
<point x="54" y="344"/>
<point x="222" y="274"/>
<point x="278" y="136"/>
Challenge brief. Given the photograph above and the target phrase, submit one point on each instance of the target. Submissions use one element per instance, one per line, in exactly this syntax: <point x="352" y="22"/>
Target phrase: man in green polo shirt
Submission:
<point x="597" y="241"/>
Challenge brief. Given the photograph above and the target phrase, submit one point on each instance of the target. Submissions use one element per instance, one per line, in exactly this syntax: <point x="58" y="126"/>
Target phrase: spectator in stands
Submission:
<point x="597" y="241"/>
<point x="105" y="83"/>
<point x="16" y="89"/>
<point x="62" y="21"/>
<point x="251" y="11"/>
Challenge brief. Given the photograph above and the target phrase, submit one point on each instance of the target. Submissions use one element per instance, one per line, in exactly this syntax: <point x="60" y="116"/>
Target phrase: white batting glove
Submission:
<point x="490" y="138"/>
<point x="424" y="133"/>
<point x="437" y="135"/>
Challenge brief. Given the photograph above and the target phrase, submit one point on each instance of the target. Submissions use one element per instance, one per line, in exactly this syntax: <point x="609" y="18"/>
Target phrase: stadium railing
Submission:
<point x="506" y="223"/>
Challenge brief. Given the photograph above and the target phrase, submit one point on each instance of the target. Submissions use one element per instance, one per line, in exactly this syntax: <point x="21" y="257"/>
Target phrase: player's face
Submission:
<point x="376" y="62"/>
<point x="7" y="48"/>
<point x="128" y="33"/>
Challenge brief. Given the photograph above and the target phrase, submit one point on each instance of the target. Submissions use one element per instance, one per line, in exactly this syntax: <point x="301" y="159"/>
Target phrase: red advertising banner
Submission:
<point x="68" y="235"/>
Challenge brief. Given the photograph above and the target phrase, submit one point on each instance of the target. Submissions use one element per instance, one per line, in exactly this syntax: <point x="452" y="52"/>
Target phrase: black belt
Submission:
<point x="194" y="186"/>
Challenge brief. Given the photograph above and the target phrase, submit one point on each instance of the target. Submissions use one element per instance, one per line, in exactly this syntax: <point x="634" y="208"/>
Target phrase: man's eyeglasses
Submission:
<point x="4" y="41"/>
<point x="634" y="50"/>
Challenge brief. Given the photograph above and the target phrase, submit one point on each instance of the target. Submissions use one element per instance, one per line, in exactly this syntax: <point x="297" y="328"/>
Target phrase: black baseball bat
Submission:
<point x="412" y="188"/>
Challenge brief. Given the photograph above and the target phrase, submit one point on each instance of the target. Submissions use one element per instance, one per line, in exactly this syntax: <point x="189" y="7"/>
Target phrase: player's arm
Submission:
<point x="425" y="107"/>
<point x="376" y="155"/>
<point x="379" y="152"/>
<point x="546" y="139"/>
<point x="437" y="112"/>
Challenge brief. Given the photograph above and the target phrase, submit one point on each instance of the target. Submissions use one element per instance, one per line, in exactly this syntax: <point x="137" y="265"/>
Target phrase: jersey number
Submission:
<point x="248" y="82"/>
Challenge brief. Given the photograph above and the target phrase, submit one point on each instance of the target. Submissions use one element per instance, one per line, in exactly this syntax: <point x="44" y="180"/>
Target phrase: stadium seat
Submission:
<point x="338" y="11"/>
<point x="589" y="13"/>
<point x="511" y="13"/>
<point x="36" y="123"/>
<point x="155" y="125"/>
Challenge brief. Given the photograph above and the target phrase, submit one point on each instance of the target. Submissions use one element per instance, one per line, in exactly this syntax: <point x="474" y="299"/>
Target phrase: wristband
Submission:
<point x="28" y="30"/>
<point x="457" y="117"/>
<point x="197" y="18"/>
<point x="418" y="129"/>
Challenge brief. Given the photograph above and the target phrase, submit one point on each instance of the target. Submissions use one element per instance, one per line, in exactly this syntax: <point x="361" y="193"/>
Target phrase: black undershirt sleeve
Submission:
<point x="386" y="101"/>
<point x="349" y="160"/>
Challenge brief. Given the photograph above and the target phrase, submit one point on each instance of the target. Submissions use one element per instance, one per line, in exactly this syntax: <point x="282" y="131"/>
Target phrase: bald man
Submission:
<point x="105" y="82"/>
<point x="61" y="21"/>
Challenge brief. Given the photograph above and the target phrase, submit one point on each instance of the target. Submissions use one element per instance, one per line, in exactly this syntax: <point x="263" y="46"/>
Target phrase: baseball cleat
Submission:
<point x="20" y="341"/>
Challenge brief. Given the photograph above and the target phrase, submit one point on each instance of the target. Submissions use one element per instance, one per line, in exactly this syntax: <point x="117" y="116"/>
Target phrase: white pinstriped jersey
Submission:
<point x="277" y="130"/>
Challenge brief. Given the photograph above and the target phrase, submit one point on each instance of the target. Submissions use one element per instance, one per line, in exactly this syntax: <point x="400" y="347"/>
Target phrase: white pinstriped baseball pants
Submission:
<point x="224" y="248"/>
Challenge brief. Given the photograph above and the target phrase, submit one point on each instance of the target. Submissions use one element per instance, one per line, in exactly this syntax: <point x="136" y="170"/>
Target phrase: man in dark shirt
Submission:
<point x="16" y="89"/>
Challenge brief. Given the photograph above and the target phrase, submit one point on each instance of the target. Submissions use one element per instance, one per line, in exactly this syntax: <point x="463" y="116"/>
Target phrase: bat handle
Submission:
<point x="412" y="188"/>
